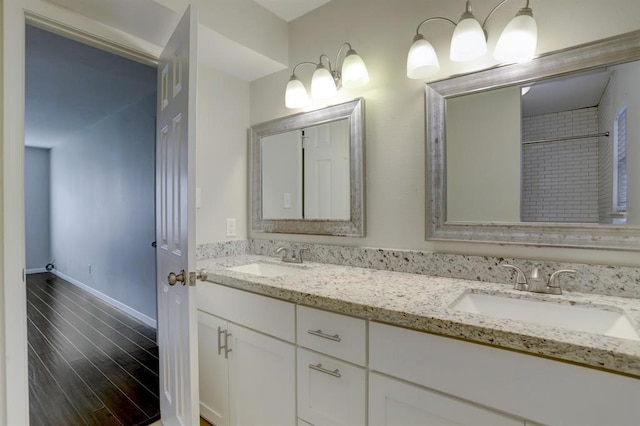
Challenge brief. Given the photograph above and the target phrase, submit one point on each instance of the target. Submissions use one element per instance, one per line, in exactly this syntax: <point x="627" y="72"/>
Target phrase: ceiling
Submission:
<point x="291" y="9"/>
<point x="69" y="86"/>
<point x="566" y="93"/>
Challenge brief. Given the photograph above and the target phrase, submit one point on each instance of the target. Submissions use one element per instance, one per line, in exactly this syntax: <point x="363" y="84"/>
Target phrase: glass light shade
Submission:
<point x="422" y="60"/>
<point x="295" y="95"/>
<point x="468" y="41"/>
<point x="322" y="84"/>
<point x="354" y="71"/>
<point x="518" y="41"/>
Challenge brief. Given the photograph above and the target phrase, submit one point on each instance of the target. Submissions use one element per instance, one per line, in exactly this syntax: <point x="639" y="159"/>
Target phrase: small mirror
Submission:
<point x="307" y="172"/>
<point x="539" y="153"/>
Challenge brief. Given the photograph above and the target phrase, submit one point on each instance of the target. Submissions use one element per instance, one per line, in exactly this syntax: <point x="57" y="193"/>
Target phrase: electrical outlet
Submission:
<point x="231" y="227"/>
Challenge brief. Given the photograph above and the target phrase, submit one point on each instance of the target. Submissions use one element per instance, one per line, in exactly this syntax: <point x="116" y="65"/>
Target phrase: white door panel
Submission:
<point x="175" y="145"/>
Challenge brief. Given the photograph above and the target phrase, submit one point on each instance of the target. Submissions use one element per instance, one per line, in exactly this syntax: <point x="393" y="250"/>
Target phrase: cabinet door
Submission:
<point x="330" y="392"/>
<point x="395" y="403"/>
<point x="214" y="377"/>
<point x="261" y="379"/>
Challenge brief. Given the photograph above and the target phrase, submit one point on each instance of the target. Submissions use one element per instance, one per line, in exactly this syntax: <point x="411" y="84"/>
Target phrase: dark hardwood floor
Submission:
<point x="89" y="364"/>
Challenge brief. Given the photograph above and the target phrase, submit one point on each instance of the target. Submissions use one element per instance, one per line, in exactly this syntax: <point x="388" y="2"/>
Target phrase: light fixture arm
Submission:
<point x="435" y="18"/>
<point x="302" y="63"/>
<point x="496" y="8"/>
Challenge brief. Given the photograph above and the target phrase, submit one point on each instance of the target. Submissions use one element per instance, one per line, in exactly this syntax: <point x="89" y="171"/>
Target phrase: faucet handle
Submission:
<point x="554" y="283"/>
<point x="283" y="249"/>
<point x="521" y="280"/>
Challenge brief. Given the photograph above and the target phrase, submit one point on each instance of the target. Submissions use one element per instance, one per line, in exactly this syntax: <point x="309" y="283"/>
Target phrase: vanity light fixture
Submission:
<point x="326" y="81"/>
<point x="517" y="43"/>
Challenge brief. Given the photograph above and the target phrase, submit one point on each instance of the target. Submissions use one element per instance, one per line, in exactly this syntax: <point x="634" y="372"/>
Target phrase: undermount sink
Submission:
<point x="570" y="317"/>
<point x="266" y="269"/>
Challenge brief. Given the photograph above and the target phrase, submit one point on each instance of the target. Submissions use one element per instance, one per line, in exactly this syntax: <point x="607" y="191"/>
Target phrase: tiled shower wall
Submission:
<point x="560" y="179"/>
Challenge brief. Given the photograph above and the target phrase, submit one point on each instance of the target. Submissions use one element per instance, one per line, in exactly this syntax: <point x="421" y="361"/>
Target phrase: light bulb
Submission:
<point x="518" y="40"/>
<point x="295" y="95"/>
<point x="354" y="71"/>
<point x="422" y="60"/>
<point x="323" y="85"/>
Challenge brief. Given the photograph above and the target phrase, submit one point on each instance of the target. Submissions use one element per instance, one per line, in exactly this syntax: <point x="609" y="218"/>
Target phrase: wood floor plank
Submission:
<point x="103" y="315"/>
<point x="84" y="400"/>
<point x="124" y="318"/>
<point x="116" y="373"/>
<point x="54" y="405"/>
<point x="90" y="343"/>
<point x="143" y="373"/>
<point x="121" y="406"/>
<point x="143" y="356"/>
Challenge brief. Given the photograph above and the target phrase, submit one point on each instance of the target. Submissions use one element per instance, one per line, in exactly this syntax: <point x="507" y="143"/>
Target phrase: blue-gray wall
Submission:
<point x="102" y="206"/>
<point x="37" y="208"/>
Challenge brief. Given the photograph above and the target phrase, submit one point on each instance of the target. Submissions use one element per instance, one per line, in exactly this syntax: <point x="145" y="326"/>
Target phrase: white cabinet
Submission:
<point x="527" y="387"/>
<point x="396" y="403"/>
<point x="261" y="379"/>
<point x="247" y="377"/>
<point x="214" y="371"/>
<point x="330" y="391"/>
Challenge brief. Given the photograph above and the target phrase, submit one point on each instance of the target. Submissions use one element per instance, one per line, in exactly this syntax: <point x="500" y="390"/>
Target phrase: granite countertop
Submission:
<point x="422" y="302"/>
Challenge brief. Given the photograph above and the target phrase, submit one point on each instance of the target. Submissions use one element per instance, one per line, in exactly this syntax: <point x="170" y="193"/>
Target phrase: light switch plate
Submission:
<point x="231" y="227"/>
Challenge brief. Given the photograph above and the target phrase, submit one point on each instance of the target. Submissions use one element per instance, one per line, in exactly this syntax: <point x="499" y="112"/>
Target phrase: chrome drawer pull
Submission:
<point x="320" y="368"/>
<point x="319" y="333"/>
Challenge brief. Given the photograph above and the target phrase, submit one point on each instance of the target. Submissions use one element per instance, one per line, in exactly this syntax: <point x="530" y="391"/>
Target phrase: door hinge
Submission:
<point x="24" y="275"/>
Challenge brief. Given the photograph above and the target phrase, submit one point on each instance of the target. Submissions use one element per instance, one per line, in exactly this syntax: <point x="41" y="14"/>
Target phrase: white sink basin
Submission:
<point x="571" y="317"/>
<point x="265" y="269"/>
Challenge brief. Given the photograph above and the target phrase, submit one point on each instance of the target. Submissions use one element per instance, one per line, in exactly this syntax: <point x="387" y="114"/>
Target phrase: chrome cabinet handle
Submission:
<point x="319" y="333"/>
<point x="320" y="368"/>
<point x="226" y="342"/>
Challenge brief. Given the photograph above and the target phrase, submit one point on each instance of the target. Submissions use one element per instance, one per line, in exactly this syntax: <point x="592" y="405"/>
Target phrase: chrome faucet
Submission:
<point x="536" y="282"/>
<point x="294" y="258"/>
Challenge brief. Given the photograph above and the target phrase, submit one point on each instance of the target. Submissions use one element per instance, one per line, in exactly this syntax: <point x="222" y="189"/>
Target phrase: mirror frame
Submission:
<point x="354" y="227"/>
<point x="606" y="52"/>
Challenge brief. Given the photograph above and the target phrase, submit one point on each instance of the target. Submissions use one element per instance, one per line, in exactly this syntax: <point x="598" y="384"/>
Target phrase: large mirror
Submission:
<point x="542" y="153"/>
<point x="307" y="172"/>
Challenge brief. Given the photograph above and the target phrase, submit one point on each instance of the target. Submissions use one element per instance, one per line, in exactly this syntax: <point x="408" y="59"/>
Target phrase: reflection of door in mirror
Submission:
<point x="306" y="173"/>
<point x="326" y="171"/>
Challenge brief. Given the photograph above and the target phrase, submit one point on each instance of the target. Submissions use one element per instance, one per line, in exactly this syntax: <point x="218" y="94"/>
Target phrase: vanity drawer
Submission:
<point x="330" y="392"/>
<point x="337" y="335"/>
<point x="264" y="314"/>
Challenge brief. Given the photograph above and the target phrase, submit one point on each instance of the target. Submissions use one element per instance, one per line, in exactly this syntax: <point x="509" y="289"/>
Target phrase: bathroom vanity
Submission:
<point x="325" y="344"/>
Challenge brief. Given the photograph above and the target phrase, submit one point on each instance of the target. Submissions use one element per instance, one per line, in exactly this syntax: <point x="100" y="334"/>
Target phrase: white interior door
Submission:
<point x="326" y="171"/>
<point x="175" y="221"/>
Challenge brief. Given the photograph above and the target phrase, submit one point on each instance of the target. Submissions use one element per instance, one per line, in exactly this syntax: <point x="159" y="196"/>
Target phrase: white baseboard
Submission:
<point x="113" y="302"/>
<point x="36" y="270"/>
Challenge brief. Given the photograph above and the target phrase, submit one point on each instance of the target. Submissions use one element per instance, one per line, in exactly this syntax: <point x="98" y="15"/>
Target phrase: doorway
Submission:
<point x="90" y="115"/>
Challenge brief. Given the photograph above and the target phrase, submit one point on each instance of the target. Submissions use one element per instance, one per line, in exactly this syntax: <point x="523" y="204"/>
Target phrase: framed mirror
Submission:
<point x="307" y="172"/>
<point x="543" y="153"/>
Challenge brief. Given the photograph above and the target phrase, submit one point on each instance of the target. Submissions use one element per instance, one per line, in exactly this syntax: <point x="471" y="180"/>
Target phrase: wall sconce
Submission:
<point x="517" y="43"/>
<point x="325" y="82"/>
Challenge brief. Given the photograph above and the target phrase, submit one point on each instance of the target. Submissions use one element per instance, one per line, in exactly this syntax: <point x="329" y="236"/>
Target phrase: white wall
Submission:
<point x="221" y="160"/>
<point x="483" y="156"/>
<point x="37" y="207"/>
<point x="381" y="31"/>
<point x="103" y="208"/>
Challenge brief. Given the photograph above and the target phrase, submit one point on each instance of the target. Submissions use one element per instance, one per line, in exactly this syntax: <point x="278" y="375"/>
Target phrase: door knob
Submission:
<point x="173" y="278"/>
<point x="200" y="275"/>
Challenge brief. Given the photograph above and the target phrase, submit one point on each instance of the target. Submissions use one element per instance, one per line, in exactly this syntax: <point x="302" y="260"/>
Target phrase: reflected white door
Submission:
<point x="175" y="221"/>
<point x="326" y="171"/>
